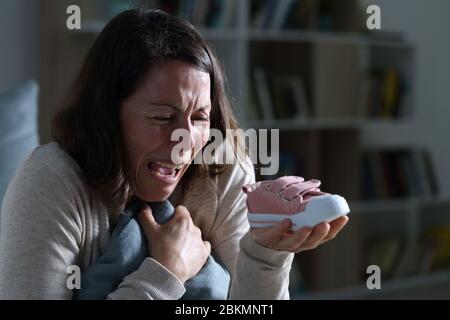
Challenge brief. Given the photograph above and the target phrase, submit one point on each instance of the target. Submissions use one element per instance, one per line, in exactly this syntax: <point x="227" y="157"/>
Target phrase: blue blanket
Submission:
<point x="128" y="248"/>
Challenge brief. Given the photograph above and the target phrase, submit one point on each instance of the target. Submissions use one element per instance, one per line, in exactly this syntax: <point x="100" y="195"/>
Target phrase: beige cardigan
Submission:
<point x="49" y="221"/>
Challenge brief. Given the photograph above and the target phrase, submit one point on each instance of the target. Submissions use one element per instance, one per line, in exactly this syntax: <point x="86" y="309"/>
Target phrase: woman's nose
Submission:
<point x="184" y="142"/>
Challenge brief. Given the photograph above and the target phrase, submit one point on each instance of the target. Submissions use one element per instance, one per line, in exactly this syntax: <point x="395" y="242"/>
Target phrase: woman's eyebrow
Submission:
<point x="178" y="107"/>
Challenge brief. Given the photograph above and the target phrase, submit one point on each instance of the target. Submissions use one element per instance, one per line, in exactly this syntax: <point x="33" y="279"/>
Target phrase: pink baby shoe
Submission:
<point x="291" y="197"/>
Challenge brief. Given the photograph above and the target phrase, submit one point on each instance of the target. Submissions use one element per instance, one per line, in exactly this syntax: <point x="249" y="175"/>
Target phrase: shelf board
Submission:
<point x="382" y="205"/>
<point x="389" y="43"/>
<point x="387" y="287"/>
<point x="324" y="36"/>
<point x="303" y="36"/>
<point x="311" y="124"/>
<point x="95" y="26"/>
<point x="221" y="34"/>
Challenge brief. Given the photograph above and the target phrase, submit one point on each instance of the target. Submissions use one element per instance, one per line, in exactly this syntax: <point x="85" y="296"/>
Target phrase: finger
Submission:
<point x="181" y="218"/>
<point x="292" y="241"/>
<point x="317" y="235"/>
<point x="275" y="234"/>
<point x="181" y="212"/>
<point x="146" y="219"/>
<point x="335" y="227"/>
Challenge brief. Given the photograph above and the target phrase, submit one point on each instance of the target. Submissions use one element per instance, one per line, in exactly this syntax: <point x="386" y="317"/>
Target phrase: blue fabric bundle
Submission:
<point x="128" y="248"/>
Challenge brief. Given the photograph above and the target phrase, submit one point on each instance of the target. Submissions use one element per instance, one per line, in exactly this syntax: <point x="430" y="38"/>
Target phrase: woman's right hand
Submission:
<point x="177" y="244"/>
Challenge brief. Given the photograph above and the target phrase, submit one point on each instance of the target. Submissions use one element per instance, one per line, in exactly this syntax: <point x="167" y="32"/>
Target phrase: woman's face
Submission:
<point x="173" y="95"/>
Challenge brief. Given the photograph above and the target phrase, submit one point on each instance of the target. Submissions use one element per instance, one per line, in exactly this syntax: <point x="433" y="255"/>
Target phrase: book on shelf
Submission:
<point x="395" y="255"/>
<point x="267" y="15"/>
<point x="399" y="258"/>
<point x="221" y="14"/>
<point x="271" y="14"/>
<point x="101" y="10"/>
<point x="199" y="14"/>
<point x="382" y="94"/>
<point x="429" y="168"/>
<point x="281" y="13"/>
<point x="365" y="98"/>
<point x="348" y="16"/>
<point x="304" y="15"/>
<point x="435" y="249"/>
<point x="281" y="96"/>
<point x="206" y="13"/>
<point x="252" y="111"/>
<point x="394" y="174"/>
<point x="228" y="17"/>
<point x="327" y="15"/>
<point x="432" y="253"/>
<point x="391" y="86"/>
<point x="263" y="93"/>
<point x="386" y="252"/>
<point x="408" y="264"/>
<point x="290" y="100"/>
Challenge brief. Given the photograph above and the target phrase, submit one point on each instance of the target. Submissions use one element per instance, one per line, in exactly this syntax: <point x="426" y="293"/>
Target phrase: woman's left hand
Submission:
<point x="280" y="237"/>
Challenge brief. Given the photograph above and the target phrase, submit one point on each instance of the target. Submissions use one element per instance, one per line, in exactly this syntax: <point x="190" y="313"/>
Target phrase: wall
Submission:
<point x="19" y="22"/>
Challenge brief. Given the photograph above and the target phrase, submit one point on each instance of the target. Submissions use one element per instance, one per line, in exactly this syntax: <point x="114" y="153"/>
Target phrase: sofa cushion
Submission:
<point x="18" y="129"/>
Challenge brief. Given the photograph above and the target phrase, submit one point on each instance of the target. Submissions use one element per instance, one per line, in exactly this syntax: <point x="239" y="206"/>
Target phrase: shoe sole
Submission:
<point x="320" y="209"/>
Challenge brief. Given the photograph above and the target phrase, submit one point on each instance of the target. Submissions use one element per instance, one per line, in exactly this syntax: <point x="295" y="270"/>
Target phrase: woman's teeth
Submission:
<point x="168" y="165"/>
<point x="164" y="169"/>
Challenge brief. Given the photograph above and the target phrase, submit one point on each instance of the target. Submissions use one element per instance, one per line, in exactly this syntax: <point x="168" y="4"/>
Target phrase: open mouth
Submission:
<point x="162" y="169"/>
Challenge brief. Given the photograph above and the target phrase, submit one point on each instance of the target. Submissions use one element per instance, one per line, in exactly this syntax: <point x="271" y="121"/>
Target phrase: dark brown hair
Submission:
<point x="88" y="126"/>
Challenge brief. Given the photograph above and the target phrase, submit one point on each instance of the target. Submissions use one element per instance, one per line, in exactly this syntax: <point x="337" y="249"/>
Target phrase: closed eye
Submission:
<point x="203" y="119"/>
<point x="201" y="116"/>
<point x="163" y="119"/>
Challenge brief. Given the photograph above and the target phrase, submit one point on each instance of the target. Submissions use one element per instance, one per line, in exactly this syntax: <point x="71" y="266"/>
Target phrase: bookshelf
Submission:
<point x="353" y="84"/>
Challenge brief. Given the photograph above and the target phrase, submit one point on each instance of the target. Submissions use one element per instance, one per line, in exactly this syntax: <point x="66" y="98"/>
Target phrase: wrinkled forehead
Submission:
<point x="177" y="82"/>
